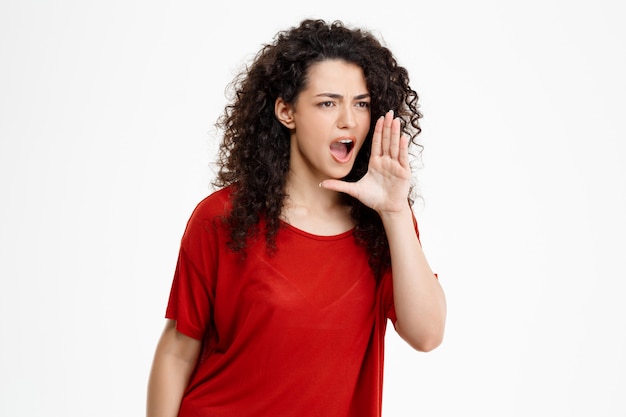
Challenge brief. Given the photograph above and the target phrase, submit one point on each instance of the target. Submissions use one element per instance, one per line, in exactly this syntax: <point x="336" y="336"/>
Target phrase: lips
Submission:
<point x="341" y="149"/>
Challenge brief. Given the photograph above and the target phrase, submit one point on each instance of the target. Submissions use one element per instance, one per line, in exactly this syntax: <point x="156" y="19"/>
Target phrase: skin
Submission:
<point x="174" y="360"/>
<point x="419" y="300"/>
<point x="333" y="105"/>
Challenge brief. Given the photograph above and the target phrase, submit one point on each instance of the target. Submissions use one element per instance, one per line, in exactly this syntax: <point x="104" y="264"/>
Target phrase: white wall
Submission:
<point x="106" y="114"/>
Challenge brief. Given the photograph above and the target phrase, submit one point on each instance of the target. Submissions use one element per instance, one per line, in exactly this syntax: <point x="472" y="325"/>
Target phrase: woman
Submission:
<point x="288" y="273"/>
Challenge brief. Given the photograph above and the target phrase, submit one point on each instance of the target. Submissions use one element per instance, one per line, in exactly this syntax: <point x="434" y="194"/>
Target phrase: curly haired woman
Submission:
<point x="288" y="273"/>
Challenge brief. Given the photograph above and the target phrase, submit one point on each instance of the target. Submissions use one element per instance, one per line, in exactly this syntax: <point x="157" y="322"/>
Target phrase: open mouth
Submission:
<point x="341" y="149"/>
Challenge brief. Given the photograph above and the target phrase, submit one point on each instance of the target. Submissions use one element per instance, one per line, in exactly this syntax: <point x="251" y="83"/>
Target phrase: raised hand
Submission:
<point x="386" y="184"/>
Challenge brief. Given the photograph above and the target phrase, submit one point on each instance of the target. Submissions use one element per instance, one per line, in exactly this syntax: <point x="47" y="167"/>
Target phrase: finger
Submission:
<point x="403" y="157"/>
<point x="340" y="186"/>
<point x="386" y="139"/>
<point x="377" y="137"/>
<point x="394" y="144"/>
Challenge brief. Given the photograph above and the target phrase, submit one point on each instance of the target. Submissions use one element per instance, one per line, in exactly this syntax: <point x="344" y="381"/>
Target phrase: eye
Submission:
<point x="326" y="104"/>
<point x="363" y="104"/>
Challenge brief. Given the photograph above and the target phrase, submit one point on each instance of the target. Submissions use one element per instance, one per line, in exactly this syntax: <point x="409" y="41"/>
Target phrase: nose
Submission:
<point x="347" y="118"/>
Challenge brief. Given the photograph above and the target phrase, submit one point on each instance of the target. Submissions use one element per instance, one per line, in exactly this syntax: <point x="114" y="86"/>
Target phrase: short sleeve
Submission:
<point x="389" y="310"/>
<point x="191" y="297"/>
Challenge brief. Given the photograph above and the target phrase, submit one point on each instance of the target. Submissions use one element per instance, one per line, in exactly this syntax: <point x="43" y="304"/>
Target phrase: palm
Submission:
<point x="385" y="186"/>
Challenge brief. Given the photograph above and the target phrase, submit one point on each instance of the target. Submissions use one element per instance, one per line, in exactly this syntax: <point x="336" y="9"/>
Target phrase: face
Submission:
<point x="328" y="122"/>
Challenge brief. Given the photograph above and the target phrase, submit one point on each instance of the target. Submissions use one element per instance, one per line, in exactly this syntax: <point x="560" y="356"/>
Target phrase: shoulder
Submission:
<point x="206" y="232"/>
<point x="208" y="214"/>
<point x="215" y="205"/>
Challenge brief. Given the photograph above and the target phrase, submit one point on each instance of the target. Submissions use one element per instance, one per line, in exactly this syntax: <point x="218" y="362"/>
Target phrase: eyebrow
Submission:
<point x="339" y="96"/>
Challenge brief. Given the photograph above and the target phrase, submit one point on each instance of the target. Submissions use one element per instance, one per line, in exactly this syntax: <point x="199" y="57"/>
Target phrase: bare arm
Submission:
<point x="174" y="361"/>
<point x="418" y="298"/>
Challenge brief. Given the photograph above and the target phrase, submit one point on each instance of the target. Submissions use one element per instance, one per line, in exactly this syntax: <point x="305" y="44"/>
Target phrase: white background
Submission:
<point x="106" y="140"/>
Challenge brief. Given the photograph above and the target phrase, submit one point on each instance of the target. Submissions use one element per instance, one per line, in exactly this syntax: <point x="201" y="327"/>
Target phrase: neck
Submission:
<point x="315" y="209"/>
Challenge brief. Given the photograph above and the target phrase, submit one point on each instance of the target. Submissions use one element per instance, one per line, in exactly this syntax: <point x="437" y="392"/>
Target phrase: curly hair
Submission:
<point x="254" y="154"/>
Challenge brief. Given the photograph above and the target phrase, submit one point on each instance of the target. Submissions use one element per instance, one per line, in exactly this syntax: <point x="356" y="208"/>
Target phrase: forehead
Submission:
<point x="336" y="76"/>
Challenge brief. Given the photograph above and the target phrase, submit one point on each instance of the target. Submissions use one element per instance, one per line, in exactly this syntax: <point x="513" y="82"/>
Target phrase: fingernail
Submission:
<point x="390" y="111"/>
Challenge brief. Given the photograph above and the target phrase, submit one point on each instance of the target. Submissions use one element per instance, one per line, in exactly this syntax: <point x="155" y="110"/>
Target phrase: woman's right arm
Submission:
<point x="174" y="361"/>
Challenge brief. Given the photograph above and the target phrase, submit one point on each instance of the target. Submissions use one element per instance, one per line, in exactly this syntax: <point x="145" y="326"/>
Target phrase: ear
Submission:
<point x="284" y="113"/>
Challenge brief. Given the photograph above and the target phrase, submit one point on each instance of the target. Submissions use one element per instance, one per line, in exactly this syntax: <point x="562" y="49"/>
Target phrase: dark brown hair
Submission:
<point x="254" y="154"/>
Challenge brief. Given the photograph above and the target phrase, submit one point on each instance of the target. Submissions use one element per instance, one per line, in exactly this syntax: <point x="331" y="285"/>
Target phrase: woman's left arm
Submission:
<point x="419" y="299"/>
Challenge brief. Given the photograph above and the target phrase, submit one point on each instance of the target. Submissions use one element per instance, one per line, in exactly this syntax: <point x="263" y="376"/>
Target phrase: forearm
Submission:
<point x="174" y="361"/>
<point x="418" y="297"/>
<point x="168" y="380"/>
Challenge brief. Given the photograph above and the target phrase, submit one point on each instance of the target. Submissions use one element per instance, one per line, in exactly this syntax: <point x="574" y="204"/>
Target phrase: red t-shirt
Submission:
<point x="296" y="334"/>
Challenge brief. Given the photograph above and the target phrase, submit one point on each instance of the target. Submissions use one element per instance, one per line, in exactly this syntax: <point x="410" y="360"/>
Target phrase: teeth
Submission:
<point x="345" y="141"/>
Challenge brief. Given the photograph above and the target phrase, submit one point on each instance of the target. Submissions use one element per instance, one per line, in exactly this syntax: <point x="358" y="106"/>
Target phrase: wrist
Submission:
<point x="403" y="213"/>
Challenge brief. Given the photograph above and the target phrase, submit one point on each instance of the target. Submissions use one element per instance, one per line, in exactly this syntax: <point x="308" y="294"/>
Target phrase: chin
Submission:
<point x="353" y="175"/>
<point x="341" y="174"/>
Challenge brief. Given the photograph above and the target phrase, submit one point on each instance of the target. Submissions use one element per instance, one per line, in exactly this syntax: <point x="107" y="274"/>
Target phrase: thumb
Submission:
<point x="340" y="186"/>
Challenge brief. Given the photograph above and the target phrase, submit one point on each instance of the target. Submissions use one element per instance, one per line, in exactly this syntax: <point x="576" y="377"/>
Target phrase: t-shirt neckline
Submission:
<point x="309" y="235"/>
